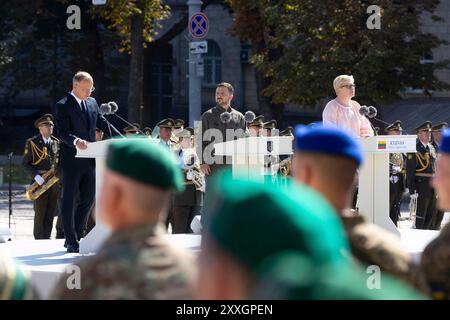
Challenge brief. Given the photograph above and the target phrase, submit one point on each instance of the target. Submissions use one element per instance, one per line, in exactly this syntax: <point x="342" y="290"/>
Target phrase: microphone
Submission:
<point x="372" y="112"/>
<point x="113" y="110"/>
<point x="225" y="117"/>
<point x="364" y="110"/>
<point x="249" y="116"/>
<point x="105" y="108"/>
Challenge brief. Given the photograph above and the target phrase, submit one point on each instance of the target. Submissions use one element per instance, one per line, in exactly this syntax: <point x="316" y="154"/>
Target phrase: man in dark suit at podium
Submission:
<point x="77" y="117"/>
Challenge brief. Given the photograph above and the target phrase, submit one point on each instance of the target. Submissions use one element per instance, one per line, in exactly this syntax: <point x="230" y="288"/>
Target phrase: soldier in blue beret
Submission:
<point x="327" y="159"/>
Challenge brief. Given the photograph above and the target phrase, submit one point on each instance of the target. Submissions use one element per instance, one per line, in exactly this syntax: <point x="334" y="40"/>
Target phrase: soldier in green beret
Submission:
<point x="136" y="262"/>
<point x="259" y="237"/>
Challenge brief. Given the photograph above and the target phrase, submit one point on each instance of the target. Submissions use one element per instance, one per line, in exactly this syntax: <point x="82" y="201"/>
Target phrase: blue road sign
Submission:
<point x="198" y="25"/>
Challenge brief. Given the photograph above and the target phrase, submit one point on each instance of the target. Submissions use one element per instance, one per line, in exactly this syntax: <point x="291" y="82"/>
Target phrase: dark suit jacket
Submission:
<point x="71" y="124"/>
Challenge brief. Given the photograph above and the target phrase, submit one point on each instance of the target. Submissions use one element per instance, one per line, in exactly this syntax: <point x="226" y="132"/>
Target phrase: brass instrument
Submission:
<point x="285" y="167"/>
<point x="193" y="172"/>
<point x="35" y="190"/>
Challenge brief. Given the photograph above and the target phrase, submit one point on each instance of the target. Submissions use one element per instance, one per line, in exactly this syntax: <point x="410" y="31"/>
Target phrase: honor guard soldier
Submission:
<point x="287" y="132"/>
<point x="254" y="127"/>
<point x="165" y="132"/>
<point x="436" y="137"/>
<point x="397" y="168"/>
<point x="268" y="128"/>
<point x="41" y="159"/>
<point x="188" y="204"/>
<point x="147" y="131"/>
<point x="420" y="170"/>
<point x="436" y="134"/>
<point x="132" y="130"/>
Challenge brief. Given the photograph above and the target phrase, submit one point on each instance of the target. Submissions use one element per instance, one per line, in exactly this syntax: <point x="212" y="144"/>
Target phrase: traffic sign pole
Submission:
<point x="195" y="94"/>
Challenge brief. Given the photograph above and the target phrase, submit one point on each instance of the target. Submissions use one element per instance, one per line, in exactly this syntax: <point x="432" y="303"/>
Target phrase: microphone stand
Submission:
<point x="110" y="125"/>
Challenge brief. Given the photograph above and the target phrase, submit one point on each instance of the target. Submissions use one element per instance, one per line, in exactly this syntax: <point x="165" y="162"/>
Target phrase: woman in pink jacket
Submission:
<point x="344" y="112"/>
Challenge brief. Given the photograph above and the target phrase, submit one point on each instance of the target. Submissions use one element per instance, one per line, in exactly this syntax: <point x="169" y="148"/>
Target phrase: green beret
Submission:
<point x="292" y="276"/>
<point x="145" y="162"/>
<point x="253" y="221"/>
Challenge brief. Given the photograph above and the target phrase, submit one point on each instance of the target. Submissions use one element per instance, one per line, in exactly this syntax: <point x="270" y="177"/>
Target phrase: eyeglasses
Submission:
<point x="349" y="86"/>
<point x="87" y="89"/>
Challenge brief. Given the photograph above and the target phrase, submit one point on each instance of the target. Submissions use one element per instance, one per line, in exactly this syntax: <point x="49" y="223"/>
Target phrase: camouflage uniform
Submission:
<point x="435" y="263"/>
<point x="372" y="245"/>
<point x="135" y="263"/>
<point x="14" y="283"/>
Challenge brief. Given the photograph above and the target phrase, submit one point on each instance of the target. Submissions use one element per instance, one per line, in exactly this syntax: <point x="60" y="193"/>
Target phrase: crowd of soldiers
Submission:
<point x="415" y="172"/>
<point x="258" y="236"/>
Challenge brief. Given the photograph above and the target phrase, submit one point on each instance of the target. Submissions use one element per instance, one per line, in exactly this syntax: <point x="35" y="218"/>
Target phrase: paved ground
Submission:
<point x="23" y="214"/>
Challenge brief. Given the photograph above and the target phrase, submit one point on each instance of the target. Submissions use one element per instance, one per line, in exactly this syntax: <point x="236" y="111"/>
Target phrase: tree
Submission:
<point x="137" y="21"/>
<point x="319" y="40"/>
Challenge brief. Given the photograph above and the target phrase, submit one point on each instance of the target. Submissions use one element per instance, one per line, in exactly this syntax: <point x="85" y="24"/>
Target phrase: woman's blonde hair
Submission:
<point x="341" y="80"/>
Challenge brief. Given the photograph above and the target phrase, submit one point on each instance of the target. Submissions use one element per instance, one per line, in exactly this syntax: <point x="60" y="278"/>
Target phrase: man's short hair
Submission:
<point x="81" y="76"/>
<point x="226" y="85"/>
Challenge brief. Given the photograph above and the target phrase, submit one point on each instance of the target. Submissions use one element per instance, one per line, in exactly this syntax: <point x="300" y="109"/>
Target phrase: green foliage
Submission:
<point x="317" y="40"/>
<point x="119" y="14"/>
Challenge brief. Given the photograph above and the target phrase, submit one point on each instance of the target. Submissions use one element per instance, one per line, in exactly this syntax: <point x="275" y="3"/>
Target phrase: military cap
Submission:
<point x="166" y="123"/>
<point x="132" y="129"/>
<point x="397" y="126"/>
<point x="287" y="131"/>
<point x="185" y="133"/>
<point x="147" y="131"/>
<point x="327" y="140"/>
<point x="45" y="119"/>
<point x="445" y="142"/>
<point x="145" y="162"/>
<point x="271" y="124"/>
<point x="253" y="220"/>
<point x="439" y="126"/>
<point x="258" y="121"/>
<point x="426" y="126"/>
<point x="179" y="123"/>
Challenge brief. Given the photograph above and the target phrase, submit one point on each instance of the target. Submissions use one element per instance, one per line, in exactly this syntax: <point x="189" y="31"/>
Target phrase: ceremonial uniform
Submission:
<point x="39" y="157"/>
<point x="132" y="130"/>
<point x="255" y="126"/>
<point x="397" y="168"/>
<point x="420" y="170"/>
<point x="133" y="264"/>
<point x="436" y="131"/>
<point x="188" y="204"/>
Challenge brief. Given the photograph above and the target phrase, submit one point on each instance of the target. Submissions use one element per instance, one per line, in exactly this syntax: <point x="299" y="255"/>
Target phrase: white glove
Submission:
<point x="393" y="179"/>
<point x="39" y="179"/>
<point x="414" y="195"/>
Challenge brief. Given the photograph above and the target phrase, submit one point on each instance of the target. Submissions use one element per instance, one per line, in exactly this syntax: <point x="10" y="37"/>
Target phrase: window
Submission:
<point x="213" y="65"/>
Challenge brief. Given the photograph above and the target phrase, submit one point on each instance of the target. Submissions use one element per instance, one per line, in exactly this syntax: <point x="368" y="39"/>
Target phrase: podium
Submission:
<point x="97" y="150"/>
<point x="373" y="194"/>
<point x="248" y="154"/>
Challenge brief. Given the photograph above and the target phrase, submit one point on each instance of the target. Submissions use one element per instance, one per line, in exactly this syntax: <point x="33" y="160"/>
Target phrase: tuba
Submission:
<point x="35" y="190"/>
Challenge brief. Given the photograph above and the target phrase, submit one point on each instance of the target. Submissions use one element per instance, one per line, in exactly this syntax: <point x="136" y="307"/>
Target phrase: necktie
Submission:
<point x="84" y="111"/>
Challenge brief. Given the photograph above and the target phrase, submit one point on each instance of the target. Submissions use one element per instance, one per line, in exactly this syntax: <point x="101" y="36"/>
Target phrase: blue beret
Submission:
<point x="327" y="140"/>
<point x="445" y="142"/>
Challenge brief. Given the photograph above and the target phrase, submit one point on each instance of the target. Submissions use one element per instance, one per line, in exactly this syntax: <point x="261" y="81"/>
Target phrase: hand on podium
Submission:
<point x="81" y="144"/>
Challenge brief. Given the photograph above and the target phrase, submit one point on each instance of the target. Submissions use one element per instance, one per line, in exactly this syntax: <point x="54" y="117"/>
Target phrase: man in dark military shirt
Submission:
<point x="397" y="169"/>
<point x="40" y="156"/>
<point x="420" y="171"/>
<point x="136" y="261"/>
<point x="219" y="124"/>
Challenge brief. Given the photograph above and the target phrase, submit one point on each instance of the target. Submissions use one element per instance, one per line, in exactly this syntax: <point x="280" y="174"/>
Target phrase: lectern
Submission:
<point x="97" y="150"/>
<point x="248" y="154"/>
<point x="373" y="194"/>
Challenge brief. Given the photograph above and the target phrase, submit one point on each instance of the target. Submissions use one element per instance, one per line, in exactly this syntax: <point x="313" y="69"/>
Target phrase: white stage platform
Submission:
<point x="47" y="259"/>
